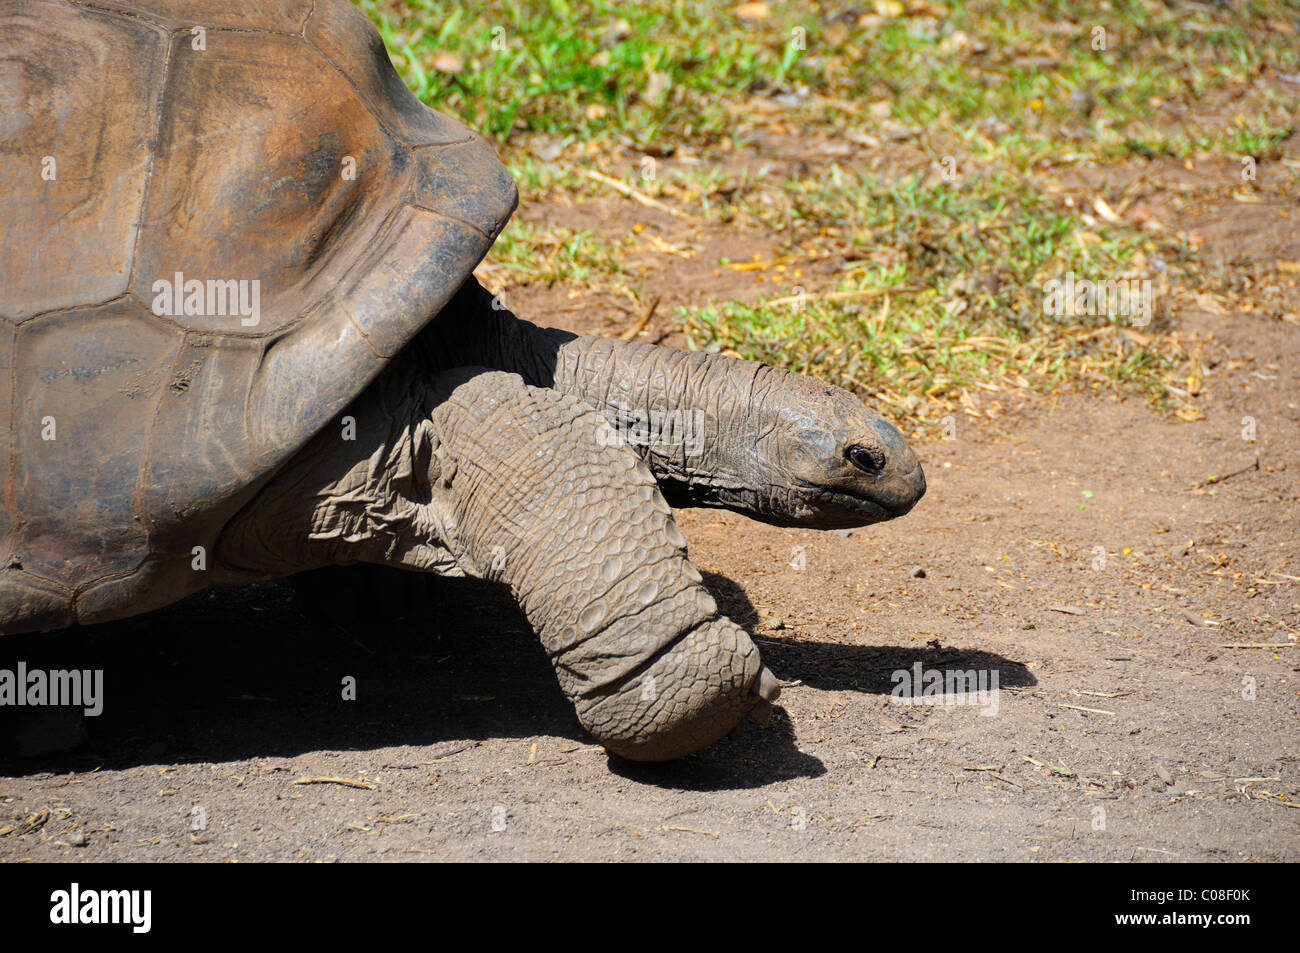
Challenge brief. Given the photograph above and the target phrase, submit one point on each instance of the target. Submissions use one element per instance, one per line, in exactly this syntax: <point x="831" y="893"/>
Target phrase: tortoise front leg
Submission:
<point x="475" y="472"/>
<point x="539" y="499"/>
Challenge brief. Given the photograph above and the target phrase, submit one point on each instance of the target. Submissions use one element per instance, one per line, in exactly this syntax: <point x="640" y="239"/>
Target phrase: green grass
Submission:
<point x="1008" y="90"/>
<point x="965" y="268"/>
<point x="658" y="73"/>
<point x="1259" y="138"/>
<point x="547" y="254"/>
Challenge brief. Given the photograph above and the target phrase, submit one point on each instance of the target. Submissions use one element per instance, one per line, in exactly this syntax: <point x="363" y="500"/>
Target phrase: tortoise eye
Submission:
<point x="867" y="459"/>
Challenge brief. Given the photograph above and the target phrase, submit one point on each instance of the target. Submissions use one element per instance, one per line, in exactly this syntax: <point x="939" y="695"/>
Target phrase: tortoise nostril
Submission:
<point x="867" y="459"/>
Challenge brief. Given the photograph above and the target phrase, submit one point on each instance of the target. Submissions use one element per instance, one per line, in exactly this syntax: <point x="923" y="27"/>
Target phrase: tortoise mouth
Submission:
<point x="811" y="505"/>
<point x="840" y="509"/>
<point x="844" y="507"/>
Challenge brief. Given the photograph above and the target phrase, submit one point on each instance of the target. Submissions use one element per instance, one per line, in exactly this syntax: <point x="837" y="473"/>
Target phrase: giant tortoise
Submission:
<point x="240" y="338"/>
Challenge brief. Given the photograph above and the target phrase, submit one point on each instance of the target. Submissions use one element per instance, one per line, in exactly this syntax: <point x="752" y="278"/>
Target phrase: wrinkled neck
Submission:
<point x="681" y="411"/>
<point x="690" y="416"/>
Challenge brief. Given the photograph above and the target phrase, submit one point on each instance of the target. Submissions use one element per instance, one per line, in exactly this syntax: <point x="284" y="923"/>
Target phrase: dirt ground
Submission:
<point x="1141" y="621"/>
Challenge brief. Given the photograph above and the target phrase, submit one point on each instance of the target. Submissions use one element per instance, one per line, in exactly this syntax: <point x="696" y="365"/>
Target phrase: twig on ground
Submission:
<point x="346" y="782"/>
<point x="1095" y="711"/>
<point x="647" y="313"/>
<point x="692" y="830"/>
<point x="843" y="295"/>
<point x="1223" y="479"/>
<point x="635" y="194"/>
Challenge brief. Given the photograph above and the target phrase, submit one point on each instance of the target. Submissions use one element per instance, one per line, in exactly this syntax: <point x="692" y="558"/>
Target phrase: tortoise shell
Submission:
<point x="220" y="220"/>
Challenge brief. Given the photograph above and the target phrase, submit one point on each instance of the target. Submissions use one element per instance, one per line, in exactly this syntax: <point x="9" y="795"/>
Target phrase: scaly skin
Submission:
<point x="585" y="541"/>
<point x="769" y="443"/>
<point x="520" y="486"/>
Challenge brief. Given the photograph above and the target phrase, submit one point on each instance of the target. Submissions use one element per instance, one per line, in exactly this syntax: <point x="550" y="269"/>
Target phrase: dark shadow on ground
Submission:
<point x="253" y="672"/>
<point x="870" y="669"/>
<point x="259" y="671"/>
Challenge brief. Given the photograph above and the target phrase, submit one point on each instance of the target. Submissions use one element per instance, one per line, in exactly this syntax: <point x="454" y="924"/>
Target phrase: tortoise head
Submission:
<point x="804" y="453"/>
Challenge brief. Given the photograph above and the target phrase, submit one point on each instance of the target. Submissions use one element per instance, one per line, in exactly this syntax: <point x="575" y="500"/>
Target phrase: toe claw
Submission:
<point x="768" y="690"/>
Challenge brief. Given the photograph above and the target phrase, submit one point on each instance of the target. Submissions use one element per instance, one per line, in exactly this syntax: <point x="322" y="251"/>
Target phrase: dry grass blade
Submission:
<point x="692" y="830"/>
<point x="346" y="782"/>
<point x="647" y="313"/>
<point x="843" y="295"/>
<point x="635" y="194"/>
<point x="1095" y="711"/>
<point x="1211" y="481"/>
<point x="1061" y="771"/>
<point x="1258" y="645"/>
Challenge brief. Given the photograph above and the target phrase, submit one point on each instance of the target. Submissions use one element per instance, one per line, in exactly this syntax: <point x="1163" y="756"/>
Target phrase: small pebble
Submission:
<point x="78" y="839"/>
<point x="917" y="572"/>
